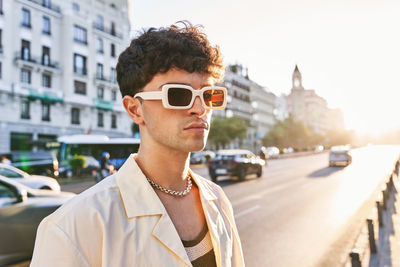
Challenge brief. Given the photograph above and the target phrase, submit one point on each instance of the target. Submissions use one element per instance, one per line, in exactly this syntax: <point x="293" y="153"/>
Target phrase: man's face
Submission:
<point x="181" y="130"/>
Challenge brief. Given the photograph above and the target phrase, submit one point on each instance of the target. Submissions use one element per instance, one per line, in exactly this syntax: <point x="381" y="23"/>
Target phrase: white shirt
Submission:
<point x="122" y="222"/>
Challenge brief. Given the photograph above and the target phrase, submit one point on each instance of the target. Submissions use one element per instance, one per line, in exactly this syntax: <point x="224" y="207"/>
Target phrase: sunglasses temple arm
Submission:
<point x="155" y="95"/>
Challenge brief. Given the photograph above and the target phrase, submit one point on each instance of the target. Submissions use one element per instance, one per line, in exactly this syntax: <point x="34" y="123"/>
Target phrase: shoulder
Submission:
<point x="95" y="200"/>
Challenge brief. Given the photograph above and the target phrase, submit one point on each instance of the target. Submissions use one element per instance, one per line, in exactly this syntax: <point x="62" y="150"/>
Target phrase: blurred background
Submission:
<point x="312" y="109"/>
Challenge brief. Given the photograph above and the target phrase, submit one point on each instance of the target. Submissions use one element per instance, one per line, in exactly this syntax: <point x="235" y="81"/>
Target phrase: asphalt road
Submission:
<point x="301" y="212"/>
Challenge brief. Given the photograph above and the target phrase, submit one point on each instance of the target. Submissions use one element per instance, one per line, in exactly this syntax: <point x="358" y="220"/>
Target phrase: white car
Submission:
<point x="272" y="151"/>
<point x="32" y="181"/>
<point x="340" y="155"/>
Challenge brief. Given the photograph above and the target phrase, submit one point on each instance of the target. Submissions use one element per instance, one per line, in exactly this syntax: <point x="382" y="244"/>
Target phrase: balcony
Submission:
<point x="107" y="30"/>
<point x="35" y="61"/>
<point x="103" y="104"/>
<point x="104" y="80"/>
<point x="80" y="71"/>
<point x="47" y="5"/>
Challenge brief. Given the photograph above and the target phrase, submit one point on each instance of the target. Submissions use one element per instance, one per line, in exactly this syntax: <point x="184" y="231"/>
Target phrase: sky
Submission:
<point x="348" y="51"/>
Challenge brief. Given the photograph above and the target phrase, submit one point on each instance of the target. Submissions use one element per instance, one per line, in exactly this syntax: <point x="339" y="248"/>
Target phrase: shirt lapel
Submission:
<point x="219" y="230"/>
<point x="139" y="199"/>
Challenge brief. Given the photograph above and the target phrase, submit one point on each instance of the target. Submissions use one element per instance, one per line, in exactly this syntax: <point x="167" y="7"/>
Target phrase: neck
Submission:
<point x="163" y="166"/>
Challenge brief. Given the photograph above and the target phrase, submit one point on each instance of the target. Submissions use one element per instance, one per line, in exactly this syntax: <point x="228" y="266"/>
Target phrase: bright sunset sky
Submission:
<point x="347" y="50"/>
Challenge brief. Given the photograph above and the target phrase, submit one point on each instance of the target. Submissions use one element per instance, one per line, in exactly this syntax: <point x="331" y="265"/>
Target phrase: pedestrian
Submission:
<point x="154" y="211"/>
<point x="105" y="165"/>
<point x="5" y="160"/>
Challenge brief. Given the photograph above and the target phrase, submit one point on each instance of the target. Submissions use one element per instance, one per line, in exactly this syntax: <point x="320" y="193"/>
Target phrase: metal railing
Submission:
<point x="109" y="31"/>
<point x="48" y="5"/>
<point x="36" y="60"/>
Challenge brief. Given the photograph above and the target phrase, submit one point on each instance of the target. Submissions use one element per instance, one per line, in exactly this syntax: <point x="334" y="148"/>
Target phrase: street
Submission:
<point x="300" y="211"/>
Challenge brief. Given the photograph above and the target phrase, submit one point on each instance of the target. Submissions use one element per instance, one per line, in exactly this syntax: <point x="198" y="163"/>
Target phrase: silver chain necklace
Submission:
<point x="173" y="192"/>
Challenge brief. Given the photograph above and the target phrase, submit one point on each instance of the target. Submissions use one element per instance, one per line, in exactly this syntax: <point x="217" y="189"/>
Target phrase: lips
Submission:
<point x="197" y="125"/>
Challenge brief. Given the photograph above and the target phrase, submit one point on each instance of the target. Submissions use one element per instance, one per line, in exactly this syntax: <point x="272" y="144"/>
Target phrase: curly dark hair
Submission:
<point x="159" y="50"/>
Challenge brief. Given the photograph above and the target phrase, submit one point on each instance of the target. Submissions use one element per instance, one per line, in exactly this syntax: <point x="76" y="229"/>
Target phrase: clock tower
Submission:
<point x="296" y="79"/>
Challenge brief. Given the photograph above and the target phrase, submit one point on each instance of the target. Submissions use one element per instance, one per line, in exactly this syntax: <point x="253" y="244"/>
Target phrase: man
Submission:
<point x="154" y="211"/>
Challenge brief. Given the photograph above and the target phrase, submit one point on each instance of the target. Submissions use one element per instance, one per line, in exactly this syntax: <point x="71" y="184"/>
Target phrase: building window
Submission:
<point x="99" y="45"/>
<point x="45" y="112"/>
<point x="99" y="71"/>
<point x="80" y="64"/>
<point x="75" y="116"/>
<point x="112" y="50"/>
<point x="113" y="33"/>
<point x="113" y="121"/>
<point x="113" y="95"/>
<point x="100" y="119"/>
<point x="100" y="22"/>
<point x="1" y="40"/>
<point x="113" y="75"/>
<point x="46" y="80"/>
<point x="100" y="92"/>
<point x="1" y="72"/>
<point x="75" y="7"/>
<point x="25" y="111"/>
<point x="25" y="76"/>
<point x="80" y="34"/>
<point x="25" y="50"/>
<point x="46" y="3"/>
<point x="1" y="7"/>
<point x="26" y="18"/>
<point x="46" y="25"/>
<point x="45" y="56"/>
<point x="80" y="88"/>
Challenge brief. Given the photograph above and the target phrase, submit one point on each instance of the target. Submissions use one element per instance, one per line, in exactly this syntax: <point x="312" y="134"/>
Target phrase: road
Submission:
<point x="299" y="213"/>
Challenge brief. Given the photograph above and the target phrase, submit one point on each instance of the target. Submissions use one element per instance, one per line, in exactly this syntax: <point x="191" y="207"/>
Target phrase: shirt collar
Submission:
<point x="138" y="196"/>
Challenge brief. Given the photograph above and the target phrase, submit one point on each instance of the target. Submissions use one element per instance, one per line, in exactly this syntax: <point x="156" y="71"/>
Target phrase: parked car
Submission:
<point x="288" y="150"/>
<point x="21" y="211"/>
<point x="32" y="181"/>
<point x="92" y="168"/>
<point x="40" y="162"/>
<point x="272" y="152"/>
<point x="340" y="155"/>
<point x="201" y="157"/>
<point x="235" y="162"/>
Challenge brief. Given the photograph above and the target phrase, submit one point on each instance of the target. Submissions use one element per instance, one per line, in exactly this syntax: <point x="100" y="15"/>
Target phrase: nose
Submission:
<point x="197" y="108"/>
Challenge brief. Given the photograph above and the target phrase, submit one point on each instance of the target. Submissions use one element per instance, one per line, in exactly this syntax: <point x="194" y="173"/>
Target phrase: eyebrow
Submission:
<point x="203" y="85"/>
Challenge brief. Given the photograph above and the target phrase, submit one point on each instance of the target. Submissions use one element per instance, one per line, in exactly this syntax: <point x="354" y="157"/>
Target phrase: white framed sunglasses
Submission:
<point x="181" y="96"/>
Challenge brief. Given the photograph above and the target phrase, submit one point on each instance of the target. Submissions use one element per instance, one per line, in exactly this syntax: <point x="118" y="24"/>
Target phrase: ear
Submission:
<point x="134" y="108"/>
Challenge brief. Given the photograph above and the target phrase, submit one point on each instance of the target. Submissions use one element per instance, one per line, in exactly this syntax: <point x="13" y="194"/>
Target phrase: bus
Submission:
<point x="94" y="145"/>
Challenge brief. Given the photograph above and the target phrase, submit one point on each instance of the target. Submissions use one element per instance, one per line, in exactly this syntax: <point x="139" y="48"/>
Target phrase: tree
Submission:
<point x="77" y="163"/>
<point x="224" y="131"/>
<point x="289" y="133"/>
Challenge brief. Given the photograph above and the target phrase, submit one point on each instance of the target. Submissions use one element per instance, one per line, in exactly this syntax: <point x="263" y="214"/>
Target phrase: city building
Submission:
<point x="306" y="106"/>
<point x="263" y="103"/>
<point x="251" y="103"/>
<point x="281" y="110"/>
<point x="57" y="70"/>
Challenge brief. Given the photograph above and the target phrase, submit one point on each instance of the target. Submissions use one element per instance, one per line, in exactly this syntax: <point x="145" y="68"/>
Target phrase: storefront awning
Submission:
<point x="46" y="97"/>
<point x="103" y="104"/>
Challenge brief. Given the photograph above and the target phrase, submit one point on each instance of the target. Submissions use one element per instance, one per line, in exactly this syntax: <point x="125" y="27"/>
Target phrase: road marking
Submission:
<point x="262" y="193"/>
<point x="246" y="211"/>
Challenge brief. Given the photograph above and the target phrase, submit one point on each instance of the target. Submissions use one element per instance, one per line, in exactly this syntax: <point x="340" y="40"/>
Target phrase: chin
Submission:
<point x="198" y="146"/>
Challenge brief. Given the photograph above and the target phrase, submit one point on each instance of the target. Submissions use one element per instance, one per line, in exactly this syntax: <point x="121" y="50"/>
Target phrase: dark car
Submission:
<point x="235" y="162"/>
<point x="21" y="211"/>
<point x="40" y="162"/>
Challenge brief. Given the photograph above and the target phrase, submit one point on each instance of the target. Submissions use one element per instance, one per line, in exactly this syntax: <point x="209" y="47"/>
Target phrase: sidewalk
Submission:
<point x="387" y="237"/>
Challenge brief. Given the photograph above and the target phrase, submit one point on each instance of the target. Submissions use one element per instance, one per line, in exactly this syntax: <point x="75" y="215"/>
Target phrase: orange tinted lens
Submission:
<point x="214" y="98"/>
